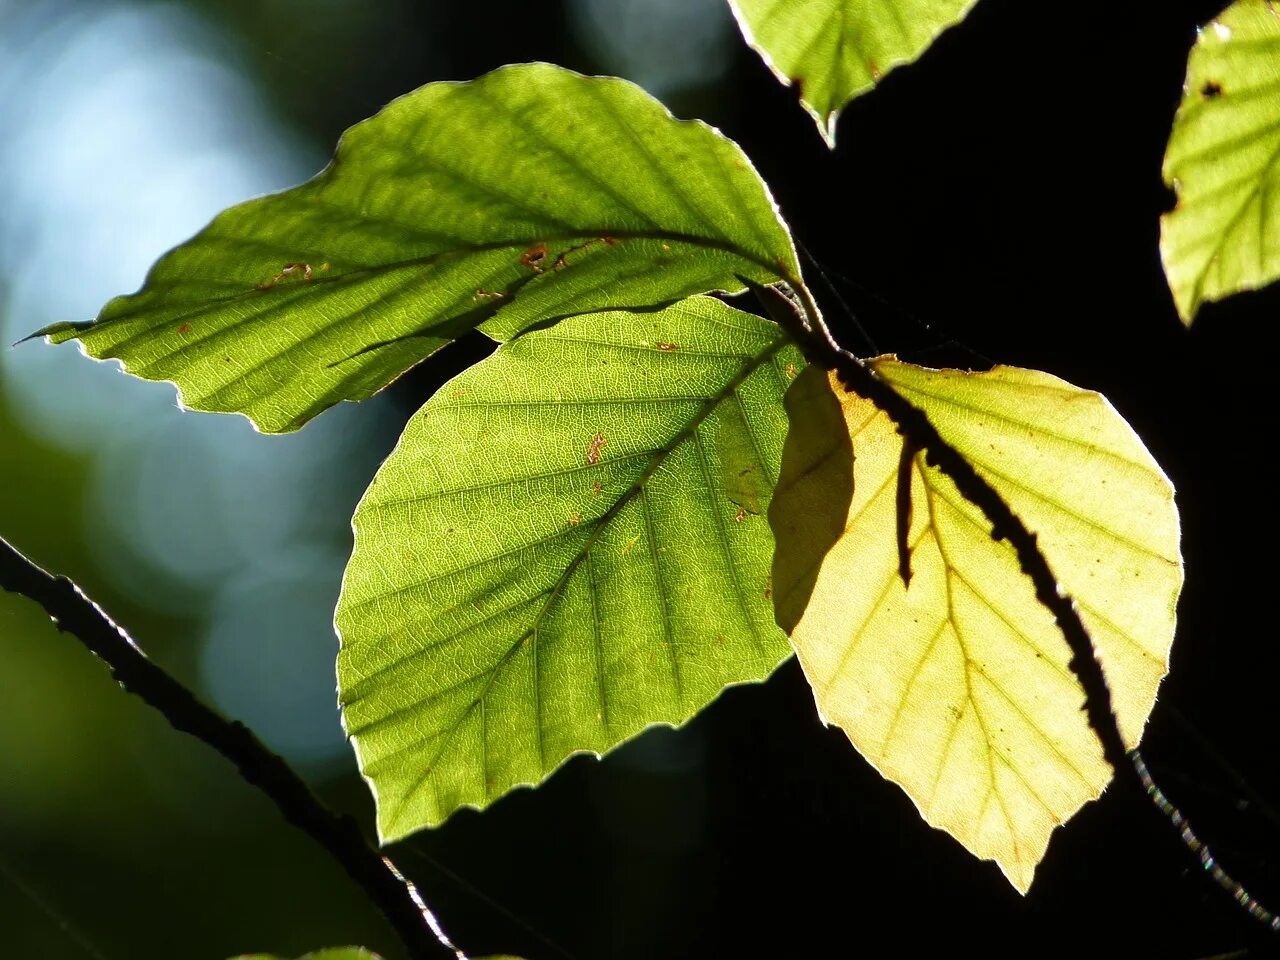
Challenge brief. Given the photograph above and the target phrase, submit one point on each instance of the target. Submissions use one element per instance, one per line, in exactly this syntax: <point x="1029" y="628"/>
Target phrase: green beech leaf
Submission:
<point x="952" y="679"/>
<point x="526" y="195"/>
<point x="834" y="50"/>
<point x="1223" y="161"/>
<point x="553" y="558"/>
<point x="333" y="953"/>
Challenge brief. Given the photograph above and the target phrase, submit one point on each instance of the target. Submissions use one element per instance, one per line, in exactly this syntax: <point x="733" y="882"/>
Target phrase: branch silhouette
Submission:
<point x="797" y="312"/>
<point x="75" y="614"/>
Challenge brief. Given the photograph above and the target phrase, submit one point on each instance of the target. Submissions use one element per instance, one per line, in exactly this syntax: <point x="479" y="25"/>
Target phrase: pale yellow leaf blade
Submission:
<point x="956" y="686"/>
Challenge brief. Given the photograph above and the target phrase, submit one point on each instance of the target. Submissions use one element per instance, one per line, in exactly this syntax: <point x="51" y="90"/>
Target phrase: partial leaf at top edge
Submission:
<point x="332" y="953"/>
<point x="1223" y="161"/>
<point x="834" y="50"/>
<point x="922" y="637"/>
<point x="553" y="560"/>
<point x="500" y="203"/>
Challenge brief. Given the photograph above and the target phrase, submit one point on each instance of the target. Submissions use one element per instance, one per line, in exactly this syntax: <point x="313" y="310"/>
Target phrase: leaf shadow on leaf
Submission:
<point x="810" y="505"/>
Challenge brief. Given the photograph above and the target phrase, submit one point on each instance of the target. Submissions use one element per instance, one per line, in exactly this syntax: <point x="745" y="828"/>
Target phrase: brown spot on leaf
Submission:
<point x="562" y="260"/>
<point x="791" y="370"/>
<point x="874" y="69"/>
<point x="667" y="347"/>
<point x="534" y="257"/>
<point x="593" y="451"/>
<point x="575" y="519"/>
<point x="740" y="515"/>
<point x="483" y="294"/>
<point x="185" y="328"/>
<point x="292" y="271"/>
<point x="1211" y="90"/>
<point x="596" y="488"/>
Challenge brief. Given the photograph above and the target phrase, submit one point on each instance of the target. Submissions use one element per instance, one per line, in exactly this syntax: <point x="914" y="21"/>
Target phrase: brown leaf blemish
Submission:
<point x="534" y="257"/>
<point x="1211" y="90"/>
<point x="667" y="347"/>
<point x="290" y="271"/>
<point x="562" y="260"/>
<point x="185" y="328"/>
<point x="593" y="451"/>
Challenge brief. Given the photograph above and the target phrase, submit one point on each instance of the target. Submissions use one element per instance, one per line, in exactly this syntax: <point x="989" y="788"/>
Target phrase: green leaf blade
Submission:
<point x="1223" y="161"/>
<point x="529" y="194"/>
<point x="551" y="561"/>
<point x="835" y="50"/>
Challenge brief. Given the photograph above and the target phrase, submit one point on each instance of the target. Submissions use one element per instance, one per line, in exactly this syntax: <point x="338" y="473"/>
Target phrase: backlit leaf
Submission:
<point x="1223" y="161"/>
<point x="834" y="50"/>
<point x="553" y="558"/>
<point x="528" y="194"/>
<point x="956" y="686"/>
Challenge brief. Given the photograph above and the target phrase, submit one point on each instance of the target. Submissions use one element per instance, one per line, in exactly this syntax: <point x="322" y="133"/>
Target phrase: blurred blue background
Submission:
<point x="752" y="832"/>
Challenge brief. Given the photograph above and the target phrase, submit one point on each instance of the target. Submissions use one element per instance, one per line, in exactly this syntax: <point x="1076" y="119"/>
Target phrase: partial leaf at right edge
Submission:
<point x="1223" y="161"/>
<point x="500" y="203"/>
<point x="955" y="683"/>
<point x="834" y="50"/>
<point x="561" y="552"/>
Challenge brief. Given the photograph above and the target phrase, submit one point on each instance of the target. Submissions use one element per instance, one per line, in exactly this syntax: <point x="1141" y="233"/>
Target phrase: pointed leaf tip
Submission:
<point x="834" y="50"/>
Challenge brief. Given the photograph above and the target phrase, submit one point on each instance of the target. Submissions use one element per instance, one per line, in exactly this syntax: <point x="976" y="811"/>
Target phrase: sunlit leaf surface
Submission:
<point x="1223" y="161"/>
<point x="951" y="678"/>
<point x="528" y="194"/>
<point x="564" y="548"/>
<point x="834" y="50"/>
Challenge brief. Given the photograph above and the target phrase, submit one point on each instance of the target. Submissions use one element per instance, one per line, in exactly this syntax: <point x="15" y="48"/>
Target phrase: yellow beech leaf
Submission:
<point x="951" y="678"/>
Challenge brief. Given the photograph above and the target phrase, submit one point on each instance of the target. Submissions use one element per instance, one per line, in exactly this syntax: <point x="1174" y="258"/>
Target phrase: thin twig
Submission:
<point x="797" y="312"/>
<point x="74" y="613"/>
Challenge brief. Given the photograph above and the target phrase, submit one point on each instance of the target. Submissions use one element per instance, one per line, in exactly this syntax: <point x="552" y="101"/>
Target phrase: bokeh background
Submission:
<point x="996" y="203"/>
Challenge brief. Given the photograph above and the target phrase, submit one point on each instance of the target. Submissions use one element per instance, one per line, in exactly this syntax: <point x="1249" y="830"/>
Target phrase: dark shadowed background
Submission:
<point x="997" y="202"/>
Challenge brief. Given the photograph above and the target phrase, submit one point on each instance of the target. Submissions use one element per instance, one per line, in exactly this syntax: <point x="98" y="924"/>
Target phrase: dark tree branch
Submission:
<point x="797" y="312"/>
<point x="74" y="613"/>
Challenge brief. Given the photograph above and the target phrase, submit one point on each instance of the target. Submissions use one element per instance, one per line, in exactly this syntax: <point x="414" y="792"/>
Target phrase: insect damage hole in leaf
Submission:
<point x="956" y="685"/>
<point x="480" y="661"/>
<point x="500" y="203"/>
